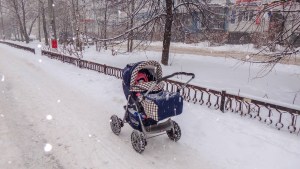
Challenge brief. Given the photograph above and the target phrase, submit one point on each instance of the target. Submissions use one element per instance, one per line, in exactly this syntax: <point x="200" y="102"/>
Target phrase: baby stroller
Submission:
<point x="148" y="105"/>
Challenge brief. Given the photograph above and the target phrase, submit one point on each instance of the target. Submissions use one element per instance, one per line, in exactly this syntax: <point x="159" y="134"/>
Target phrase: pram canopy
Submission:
<point x="159" y="104"/>
<point x="130" y="73"/>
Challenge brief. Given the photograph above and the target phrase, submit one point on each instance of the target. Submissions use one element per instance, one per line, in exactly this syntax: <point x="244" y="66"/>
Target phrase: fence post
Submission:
<point x="80" y="63"/>
<point x="223" y="94"/>
<point x="105" y="69"/>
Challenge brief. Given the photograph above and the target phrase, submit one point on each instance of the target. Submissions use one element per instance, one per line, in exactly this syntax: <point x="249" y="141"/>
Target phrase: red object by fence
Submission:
<point x="257" y="20"/>
<point x="54" y="43"/>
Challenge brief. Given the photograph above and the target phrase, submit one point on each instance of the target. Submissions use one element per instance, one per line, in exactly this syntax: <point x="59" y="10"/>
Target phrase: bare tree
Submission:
<point x="144" y="18"/>
<point x="2" y="22"/>
<point x="134" y="24"/>
<point x="52" y="17"/>
<point x="275" y="24"/>
<point x="25" y="14"/>
<point x="130" y="13"/>
<point x="42" y="6"/>
<point x="167" y="33"/>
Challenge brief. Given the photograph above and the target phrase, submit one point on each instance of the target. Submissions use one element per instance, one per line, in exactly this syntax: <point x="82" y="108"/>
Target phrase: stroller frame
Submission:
<point x="140" y="136"/>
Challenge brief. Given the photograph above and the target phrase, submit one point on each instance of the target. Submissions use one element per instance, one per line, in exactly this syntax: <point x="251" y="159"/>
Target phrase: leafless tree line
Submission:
<point x="134" y="24"/>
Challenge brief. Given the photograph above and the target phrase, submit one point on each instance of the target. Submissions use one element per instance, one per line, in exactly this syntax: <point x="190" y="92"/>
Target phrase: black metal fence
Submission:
<point x="108" y="70"/>
<point x="277" y="116"/>
<point x="274" y="115"/>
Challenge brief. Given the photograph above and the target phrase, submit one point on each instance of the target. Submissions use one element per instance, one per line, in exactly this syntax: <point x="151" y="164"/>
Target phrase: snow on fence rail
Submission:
<point x="19" y="46"/>
<point x="276" y="115"/>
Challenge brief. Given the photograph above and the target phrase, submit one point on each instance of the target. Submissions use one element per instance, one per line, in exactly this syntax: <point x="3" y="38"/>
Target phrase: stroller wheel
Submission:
<point x="138" y="141"/>
<point x="175" y="133"/>
<point x="115" y="124"/>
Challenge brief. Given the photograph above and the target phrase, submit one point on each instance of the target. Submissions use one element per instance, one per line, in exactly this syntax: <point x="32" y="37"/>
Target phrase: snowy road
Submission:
<point x="43" y="102"/>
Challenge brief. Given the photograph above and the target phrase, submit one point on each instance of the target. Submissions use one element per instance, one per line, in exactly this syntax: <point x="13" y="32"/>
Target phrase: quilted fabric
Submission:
<point x="143" y="87"/>
<point x="150" y="109"/>
<point x="142" y="66"/>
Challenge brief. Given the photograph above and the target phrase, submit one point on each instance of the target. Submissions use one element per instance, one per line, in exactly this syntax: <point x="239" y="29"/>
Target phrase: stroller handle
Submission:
<point x="174" y="74"/>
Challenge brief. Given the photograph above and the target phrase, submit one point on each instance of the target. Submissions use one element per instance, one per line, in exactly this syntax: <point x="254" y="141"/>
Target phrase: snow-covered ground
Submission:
<point x="54" y="115"/>
<point x="206" y="46"/>
<point x="282" y="84"/>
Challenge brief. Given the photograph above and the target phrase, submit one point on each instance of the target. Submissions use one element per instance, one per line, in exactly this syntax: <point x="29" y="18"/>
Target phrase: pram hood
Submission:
<point x="158" y="105"/>
<point x="130" y="72"/>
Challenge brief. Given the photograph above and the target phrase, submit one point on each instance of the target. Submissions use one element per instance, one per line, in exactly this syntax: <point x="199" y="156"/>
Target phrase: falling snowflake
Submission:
<point x="9" y="162"/>
<point x="39" y="46"/>
<point x="49" y="117"/>
<point x="40" y="60"/>
<point x="3" y="78"/>
<point x="48" y="147"/>
<point x="90" y="135"/>
<point x="1" y="115"/>
<point x="174" y="158"/>
<point x="58" y="101"/>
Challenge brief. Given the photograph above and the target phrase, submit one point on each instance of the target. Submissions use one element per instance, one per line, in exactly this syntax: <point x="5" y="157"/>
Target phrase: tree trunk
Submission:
<point x="167" y="33"/>
<point x="18" y="17"/>
<point x="128" y="40"/>
<point x="44" y="25"/>
<point x="31" y="26"/>
<point x="39" y="23"/>
<point x="21" y="31"/>
<point x="105" y="24"/>
<point x="130" y="25"/>
<point x="2" y="23"/>
<point x="24" y="22"/>
<point x="52" y="18"/>
<point x="16" y="33"/>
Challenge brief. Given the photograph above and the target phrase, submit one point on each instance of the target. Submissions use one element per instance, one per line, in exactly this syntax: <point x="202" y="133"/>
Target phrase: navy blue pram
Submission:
<point x="148" y="103"/>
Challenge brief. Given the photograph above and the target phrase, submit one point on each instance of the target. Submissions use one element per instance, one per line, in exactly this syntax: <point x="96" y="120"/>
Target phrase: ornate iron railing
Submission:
<point x="108" y="70"/>
<point x="281" y="117"/>
<point x="275" y="115"/>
